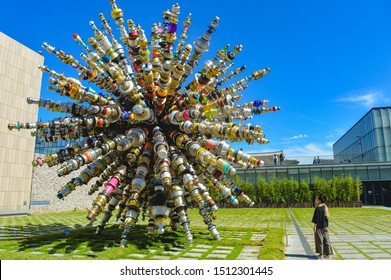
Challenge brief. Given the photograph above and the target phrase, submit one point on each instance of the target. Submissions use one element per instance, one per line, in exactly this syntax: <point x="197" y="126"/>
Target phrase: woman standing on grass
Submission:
<point x="321" y="223"/>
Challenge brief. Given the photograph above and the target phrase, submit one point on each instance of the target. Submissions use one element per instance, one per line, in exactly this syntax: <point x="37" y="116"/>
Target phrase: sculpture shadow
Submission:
<point x="33" y="230"/>
<point x="85" y="241"/>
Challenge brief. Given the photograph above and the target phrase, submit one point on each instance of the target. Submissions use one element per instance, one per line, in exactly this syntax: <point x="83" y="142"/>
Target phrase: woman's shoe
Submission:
<point x="320" y="257"/>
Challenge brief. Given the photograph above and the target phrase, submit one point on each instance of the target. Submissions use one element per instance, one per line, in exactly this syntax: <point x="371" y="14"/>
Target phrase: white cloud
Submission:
<point x="305" y="154"/>
<point x="330" y="136"/>
<point x="311" y="149"/>
<point x="296" y="137"/>
<point x="330" y="144"/>
<point x="369" y="98"/>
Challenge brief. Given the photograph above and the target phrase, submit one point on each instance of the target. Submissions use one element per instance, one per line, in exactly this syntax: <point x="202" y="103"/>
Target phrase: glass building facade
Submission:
<point x="369" y="140"/>
<point x="365" y="171"/>
<point x="51" y="147"/>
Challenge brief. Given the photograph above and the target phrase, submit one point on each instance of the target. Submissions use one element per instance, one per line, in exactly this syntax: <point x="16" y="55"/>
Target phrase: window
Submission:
<point x="293" y="174"/>
<point x="327" y="173"/>
<point x="250" y="177"/>
<point x="373" y="172"/>
<point x="350" y="171"/>
<point x="362" y="173"/>
<point x="282" y="173"/>
<point x="385" y="172"/>
<point x="304" y="175"/>
<point x="338" y="171"/>
<point x="315" y="172"/>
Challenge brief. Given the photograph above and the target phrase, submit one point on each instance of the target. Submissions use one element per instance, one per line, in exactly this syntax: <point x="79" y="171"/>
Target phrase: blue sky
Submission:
<point x="330" y="60"/>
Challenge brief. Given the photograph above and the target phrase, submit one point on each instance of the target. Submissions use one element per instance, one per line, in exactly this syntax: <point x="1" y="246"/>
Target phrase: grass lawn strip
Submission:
<point x="48" y="241"/>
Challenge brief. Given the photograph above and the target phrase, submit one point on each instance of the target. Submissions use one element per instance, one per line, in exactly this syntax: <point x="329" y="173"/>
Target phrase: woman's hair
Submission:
<point x="322" y="198"/>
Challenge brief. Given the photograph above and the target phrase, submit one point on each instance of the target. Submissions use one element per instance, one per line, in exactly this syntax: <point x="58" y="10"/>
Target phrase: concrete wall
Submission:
<point x="19" y="78"/>
<point x="45" y="185"/>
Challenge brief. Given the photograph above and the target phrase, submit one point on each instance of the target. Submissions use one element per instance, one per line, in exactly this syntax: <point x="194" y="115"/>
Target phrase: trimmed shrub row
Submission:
<point x="290" y="192"/>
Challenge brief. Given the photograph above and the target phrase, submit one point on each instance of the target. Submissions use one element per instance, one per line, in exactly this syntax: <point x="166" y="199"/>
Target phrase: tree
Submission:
<point x="261" y="190"/>
<point x="304" y="192"/>
<point x="358" y="189"/>
<point x="291" y="193"/>
<point x="320" y="187"/>
<point x="216" y="197"/>
<point x="350" y="188"/>
<point x="247" y="187"/>
<point x="342" y="190"/>
<point x="271" y="195"/>
<point x="333" y="185"/>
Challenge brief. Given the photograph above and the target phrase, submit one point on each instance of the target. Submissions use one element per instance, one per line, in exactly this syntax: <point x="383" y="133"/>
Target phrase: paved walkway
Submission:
<point x="377" y="207"/>
<point x="298" y="247"/>
<point x="354" y="233"/>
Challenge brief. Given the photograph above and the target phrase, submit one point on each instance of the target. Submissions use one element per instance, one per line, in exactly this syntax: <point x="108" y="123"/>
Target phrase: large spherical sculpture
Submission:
<point x="158" y="138"/>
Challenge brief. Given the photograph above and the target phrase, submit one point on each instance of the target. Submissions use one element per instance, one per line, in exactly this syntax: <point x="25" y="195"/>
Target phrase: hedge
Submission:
<point x="337" y="189"/>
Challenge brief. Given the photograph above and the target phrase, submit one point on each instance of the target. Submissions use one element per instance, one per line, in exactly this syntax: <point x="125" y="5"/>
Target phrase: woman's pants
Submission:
<point x="322" y="242"/>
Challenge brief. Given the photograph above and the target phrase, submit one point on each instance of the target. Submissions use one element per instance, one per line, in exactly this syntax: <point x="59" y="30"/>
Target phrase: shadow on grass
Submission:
<point x="84" y="243"/>
<point x="33" y="230"/>
<point x="86" y="239"/>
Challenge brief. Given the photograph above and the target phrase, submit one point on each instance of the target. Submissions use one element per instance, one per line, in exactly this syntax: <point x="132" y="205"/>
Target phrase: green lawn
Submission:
<point x="42" y="237"/>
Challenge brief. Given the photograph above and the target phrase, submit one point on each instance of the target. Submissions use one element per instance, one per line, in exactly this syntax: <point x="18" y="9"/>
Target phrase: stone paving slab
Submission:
<point x="252" y="249"/>
<point x="383" y="237"/>
<point x="224" y="247"/>
<point x="140" y="256"/>
<point x="192" y="255"/>
<point x="365" y="245"/>
<point x="57" y="255"/>
<point x="381" y="242"/>
<point x="249" y="253"/>
<point x="199" y="250"/>
<point x="373" y="250"/>
<point x="380" y="256"/>
<point x="258" y="237"/>
<point x="357" y="256"/>
<point x="342" y="246"/>
<point x="352" y="250"/>
<point x="216" y="256"/>
<point x="157" y="257"/>
<point x="33" y="245"/>
<point x="350" y="238"/>
<point x="222" y="251"/>
<point x="203" y="246"/>
<point x="366" y="238"/>
<point x="176" y="249"/>
<point x="175" y="253"/>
